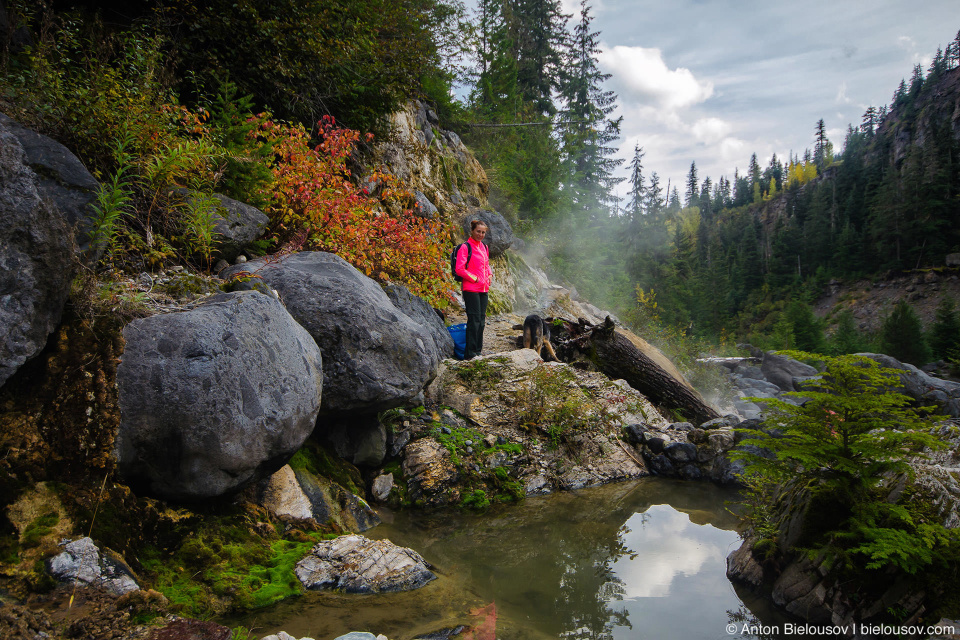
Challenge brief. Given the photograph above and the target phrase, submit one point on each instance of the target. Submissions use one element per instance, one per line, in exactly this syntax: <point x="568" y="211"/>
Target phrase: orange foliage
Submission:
<point x="312" y="192"/>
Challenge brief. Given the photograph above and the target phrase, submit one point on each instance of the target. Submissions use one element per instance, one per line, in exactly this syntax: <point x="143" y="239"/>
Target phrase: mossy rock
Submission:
<point x="323" y="463"/>
<point x="498" y="303"/>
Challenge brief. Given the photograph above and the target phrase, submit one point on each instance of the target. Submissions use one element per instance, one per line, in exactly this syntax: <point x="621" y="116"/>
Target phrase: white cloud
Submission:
<point x="646" y="77"/>
<point x="732" y="150"/>
<point x="710" y="130"/>
<point x="842" y="94"/>
<point x="906" y="43"/>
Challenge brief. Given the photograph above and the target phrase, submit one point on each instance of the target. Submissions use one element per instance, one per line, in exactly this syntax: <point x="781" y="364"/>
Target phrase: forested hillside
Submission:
<point x="888" y="202"/>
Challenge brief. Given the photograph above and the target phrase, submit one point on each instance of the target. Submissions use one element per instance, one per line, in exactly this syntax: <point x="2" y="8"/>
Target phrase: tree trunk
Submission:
<point x="619" y="354"/>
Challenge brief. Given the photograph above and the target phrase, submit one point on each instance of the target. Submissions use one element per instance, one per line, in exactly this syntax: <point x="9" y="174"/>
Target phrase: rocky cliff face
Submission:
<point x="934" y="108"/>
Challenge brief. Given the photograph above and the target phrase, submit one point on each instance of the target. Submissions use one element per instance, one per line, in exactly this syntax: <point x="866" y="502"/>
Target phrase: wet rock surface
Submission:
<point x="356" y="564"/>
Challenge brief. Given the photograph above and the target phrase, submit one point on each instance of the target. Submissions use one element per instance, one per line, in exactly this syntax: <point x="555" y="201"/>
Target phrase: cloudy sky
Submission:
<point x="714" y="81"/>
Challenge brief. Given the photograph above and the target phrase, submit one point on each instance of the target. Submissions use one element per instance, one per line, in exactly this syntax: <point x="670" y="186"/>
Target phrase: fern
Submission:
<point x="112" y="199"/>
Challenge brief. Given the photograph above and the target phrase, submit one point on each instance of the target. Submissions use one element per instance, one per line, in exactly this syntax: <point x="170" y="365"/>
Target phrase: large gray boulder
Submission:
<point x="214" y="398"/>
<point x="36" y="259"/>
<point x="420" y="311"/>
<point x="375" y="357"/>
<point x="499" y="232"/>
<point x="781" y="370"/>
<point x="922" y="387"/>
<point x="61" y="177"/>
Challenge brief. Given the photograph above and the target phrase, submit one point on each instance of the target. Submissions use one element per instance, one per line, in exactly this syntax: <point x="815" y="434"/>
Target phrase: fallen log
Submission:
<point x="621" y="354"/>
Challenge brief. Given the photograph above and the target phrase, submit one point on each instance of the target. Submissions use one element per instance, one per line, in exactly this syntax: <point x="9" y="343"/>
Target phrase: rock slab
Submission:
<point x="216" y="397"/>
<point x="81" y="562"/>
<point x="356" y="564"/>
<point x="301" y="495"/>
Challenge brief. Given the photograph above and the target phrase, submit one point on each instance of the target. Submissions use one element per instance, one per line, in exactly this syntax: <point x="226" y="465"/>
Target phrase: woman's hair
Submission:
<point x="476" y="223"/>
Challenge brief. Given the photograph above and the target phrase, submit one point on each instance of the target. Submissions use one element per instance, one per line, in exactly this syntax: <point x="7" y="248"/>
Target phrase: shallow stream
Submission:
<point x="643" y="559"/>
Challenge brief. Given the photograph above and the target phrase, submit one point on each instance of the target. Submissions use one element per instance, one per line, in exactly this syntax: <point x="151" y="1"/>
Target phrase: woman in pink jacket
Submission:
<point x="476" y="275"/>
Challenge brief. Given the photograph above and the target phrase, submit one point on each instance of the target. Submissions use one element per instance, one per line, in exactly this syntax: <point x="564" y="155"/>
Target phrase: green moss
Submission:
<point x="40" y="579"/>
<point x="9" y="549"/>
<point x="188" y="284"/>
<point x="36" y="530"/>
<point x="510" y="490"/>
<point x="479" y="372"/>
<point x="765" y="549"/>
<point x="322" y="463"/>
<point x="509" y="447"/>
<point x="498" y="303"/>
<point x="552" y="402"/>
<point x="476" y="499"/>
<point x="221" y="569"/>
<point x="456" y="441"/>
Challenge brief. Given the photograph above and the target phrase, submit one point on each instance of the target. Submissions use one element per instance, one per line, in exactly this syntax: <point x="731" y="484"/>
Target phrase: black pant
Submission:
<point x="476" y="304"/>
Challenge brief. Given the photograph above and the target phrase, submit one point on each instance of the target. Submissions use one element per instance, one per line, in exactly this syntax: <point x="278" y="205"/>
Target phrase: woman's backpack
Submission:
<point x="453" y="260"/>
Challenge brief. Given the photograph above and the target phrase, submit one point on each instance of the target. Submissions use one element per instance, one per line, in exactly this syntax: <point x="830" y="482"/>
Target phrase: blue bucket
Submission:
<point x="459" y="334"/>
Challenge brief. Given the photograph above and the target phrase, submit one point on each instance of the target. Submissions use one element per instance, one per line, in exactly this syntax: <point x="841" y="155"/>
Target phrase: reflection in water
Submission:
<point x="631" y="560"/>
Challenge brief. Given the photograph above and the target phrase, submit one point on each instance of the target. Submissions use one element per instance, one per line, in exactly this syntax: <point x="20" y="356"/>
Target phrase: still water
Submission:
<point x="635" y="560"/>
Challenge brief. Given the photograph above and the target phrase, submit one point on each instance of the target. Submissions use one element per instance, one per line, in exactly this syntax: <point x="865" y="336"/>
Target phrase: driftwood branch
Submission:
<point x="619" y="354"/>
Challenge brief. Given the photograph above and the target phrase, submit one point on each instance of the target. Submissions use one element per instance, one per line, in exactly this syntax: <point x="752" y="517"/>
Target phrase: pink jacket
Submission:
<point x="479" y="267"/>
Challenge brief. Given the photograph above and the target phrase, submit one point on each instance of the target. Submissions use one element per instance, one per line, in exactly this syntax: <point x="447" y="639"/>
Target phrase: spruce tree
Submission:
<point x="869" y="121"/>
<point x="852" y="432"/>
<point x="807" y="328"/>
<point x="901" y="336"/>
<point x="637" y="193"/>
<point x="588" y="129"/>
<point x="820" y="155"/>
<point x="539" y="35"/>
<point x="692" y="192"/>
<point x="654" y="204"/>
<point x="846" y="339"/>
<point x="945" y="333"/>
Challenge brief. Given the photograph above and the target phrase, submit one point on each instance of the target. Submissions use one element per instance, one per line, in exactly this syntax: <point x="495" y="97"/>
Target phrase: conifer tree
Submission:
<point x="846" y="339"/>
<point x="539" y="35"/>
<point x="853" y="431"/>
<point x="807" y="329"/>
<point x="945" y="333"/>
<point x="755" y="175"/>
<point x="495" y="95"/>
<point x="588" y="130"/>
<point x="820" y="156"/>
<point x="916" y="82"/>
<point x="869" y="121"/>
<point x="901" y="336"/>
<point x="654" y="204"/>
<point x="638" y="193"/>
<point x="692" y="191"/>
